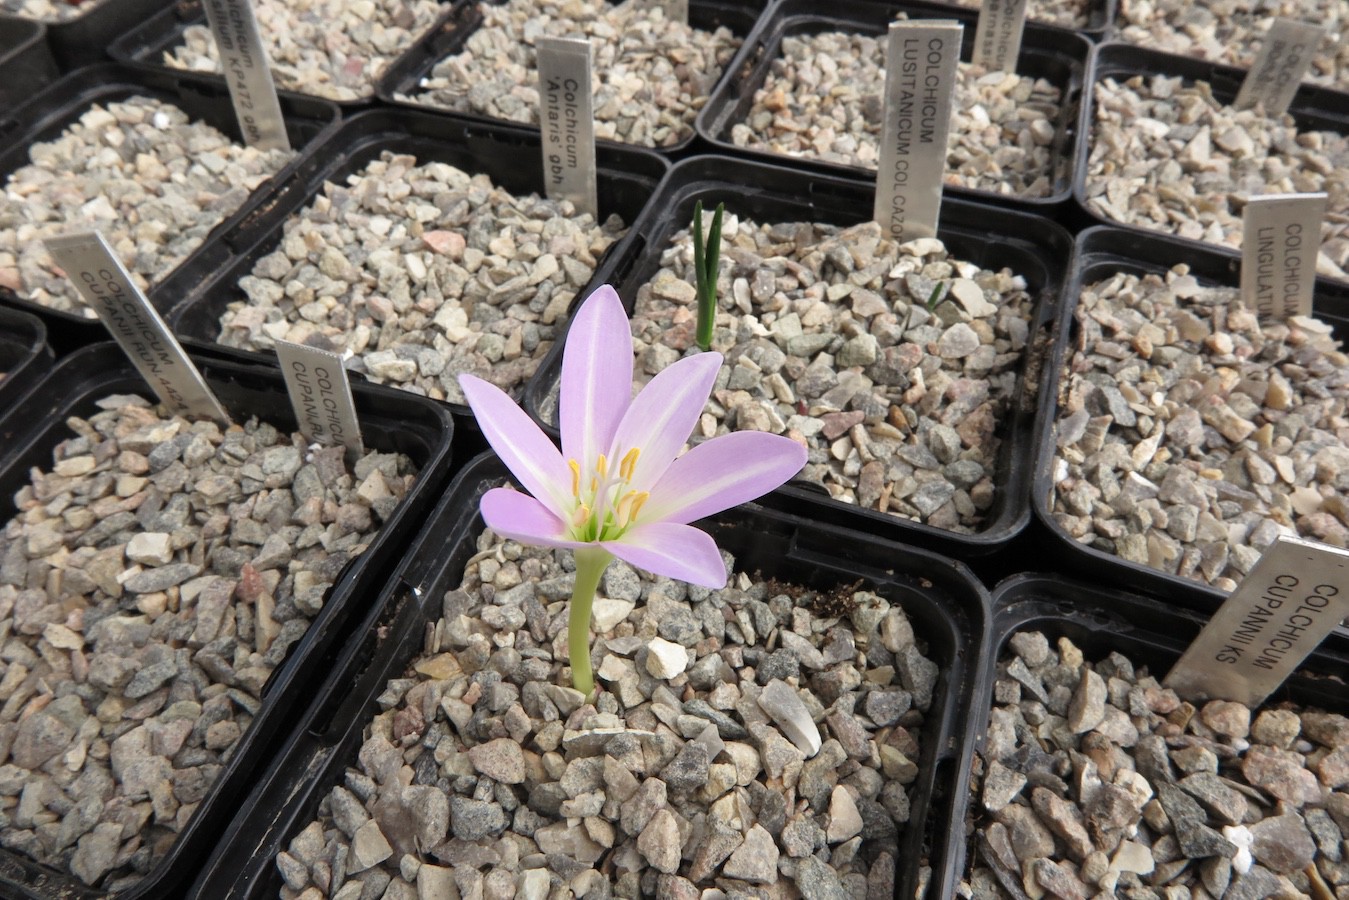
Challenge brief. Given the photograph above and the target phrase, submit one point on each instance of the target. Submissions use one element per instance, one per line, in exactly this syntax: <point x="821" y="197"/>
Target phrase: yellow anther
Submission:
<point x="581" y="516"/>
<point x="637" y="504"/>
<point x="629" y="506"/>
<point x="575" y="477"/>
<point x="625" y="468"/>
<point x="601" y="466"/>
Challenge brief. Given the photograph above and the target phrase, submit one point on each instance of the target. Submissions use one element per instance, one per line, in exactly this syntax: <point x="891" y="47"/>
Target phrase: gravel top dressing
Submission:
<point x="755" y="738"/>
<point x="1232" y="31"/>
<point x="828" y="340"/>
<point x="152" y="181"/>
<point x="1097" y="781"/>
<point x="422" y="272"/>
<point x="1064" y="13"/>
<point x="1190" y="436"/>
<point x="46" y="10"/>
<point x="1168" y="156"/>
<point x="822" y="99"/>
<point x="336" y="49"/>
<point x="151" y="582"/>
<point x="651" y="74"/>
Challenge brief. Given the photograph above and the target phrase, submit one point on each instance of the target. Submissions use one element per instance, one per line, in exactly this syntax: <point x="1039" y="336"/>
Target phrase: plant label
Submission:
<point x="997" y="40"/>
<point x="247" y="73"/>
<point x="568" y="122"/>
<point x="920" y="79"/>
<point x="1277" y="72"/>
<point x="1281" y="236"/>
<point x="320" y="394"/>
<point x="105" y="284"/>
<point x="1296" y="594"/>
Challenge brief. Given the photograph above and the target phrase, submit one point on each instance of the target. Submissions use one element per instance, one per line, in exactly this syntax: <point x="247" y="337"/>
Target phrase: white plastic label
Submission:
<point x="1281" y="236"/>
<point x="320" y="394"/>
<point x="920" y="78"/>
<point x="1284" y="56"/>
<point x="106" y="286"/>
<point x="568" y="122"/>
<point x="1296" y="594"/>
<point x="997" y="40"/>
<point x="247" y="73"/>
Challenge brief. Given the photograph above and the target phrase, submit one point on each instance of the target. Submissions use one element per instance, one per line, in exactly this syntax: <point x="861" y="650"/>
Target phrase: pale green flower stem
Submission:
<point x="590" y="565"/>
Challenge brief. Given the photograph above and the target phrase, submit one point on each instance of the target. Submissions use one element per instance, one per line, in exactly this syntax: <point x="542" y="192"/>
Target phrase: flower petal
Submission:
<point x="532" y="458"/>
<point x="721" y="473"/>
<point x="596" y="377"/>
<point x="520" y="517"/>
<point x="675" y="551"/>
<point x="662" y="417"/>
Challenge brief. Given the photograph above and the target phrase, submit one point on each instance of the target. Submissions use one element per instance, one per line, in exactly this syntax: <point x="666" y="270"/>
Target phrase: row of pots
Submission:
<point x="403" y="638"/>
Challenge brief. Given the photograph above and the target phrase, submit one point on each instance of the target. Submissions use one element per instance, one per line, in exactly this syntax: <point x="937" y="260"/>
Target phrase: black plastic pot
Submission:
<point x="24" y="357"/>
<point x="1313" y="108"/>
<point x="510" y="155"/>
<point x="25" y="58"/>
<point x="391" y="421"/>
<point x="1100" y="621"/>
<point x="52" y="111"/>
<point x="947" y="607"/>
<point x="1101" y="253"/>
<point x="1050" y="53"/>
<point x="1030" y="246"/>
<point x="144" y="43"/>
<point x="447" y="39"/>
<point x="84" y="39"/>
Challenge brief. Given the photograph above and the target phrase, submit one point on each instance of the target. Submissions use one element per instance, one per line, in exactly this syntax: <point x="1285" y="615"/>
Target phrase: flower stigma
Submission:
<point x="609" y="506"/>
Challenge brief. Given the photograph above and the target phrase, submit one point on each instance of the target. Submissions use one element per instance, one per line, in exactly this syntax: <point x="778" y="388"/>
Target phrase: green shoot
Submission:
<point x="706" y="257"/>
<point x="936" y="297"/>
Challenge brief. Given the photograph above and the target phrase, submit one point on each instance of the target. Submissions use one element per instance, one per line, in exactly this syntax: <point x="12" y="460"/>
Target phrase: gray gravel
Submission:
<point x="822" y="99"/>
<point x="1231" y="31"/>
<point x="1167" y="156"/>
<point x="1190" y="436"/>
<point x="650" y="74"/>
<point x="152" y="581"/>
<point x="828" y="341"/>
<point x="422" y="272"/>
<point x="1064" y="13"/>
<point x="46" y="10"/>
<point x="152" y="181"/>
<point x="483" y="774"/>
<point x="1097" y="781"/>
<point x="336" y="49"/>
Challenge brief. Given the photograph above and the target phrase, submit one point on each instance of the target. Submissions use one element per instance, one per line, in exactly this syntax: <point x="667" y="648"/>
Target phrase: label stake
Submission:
<point x="920" y="80"/>
<point x="104" y="283"/>
<point x="1281" y="235"/>
<point x="997" y="39"/>
<point x="1295" y="596"/>
<point x="1277" y="72"/>
<point x="244" y="61"/>
<point x="568" y="122"/>
<point x="320" y="394"/>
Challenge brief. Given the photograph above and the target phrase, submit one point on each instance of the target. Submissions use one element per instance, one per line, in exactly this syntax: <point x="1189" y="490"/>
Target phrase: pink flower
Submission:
<point x="619" y="483"/>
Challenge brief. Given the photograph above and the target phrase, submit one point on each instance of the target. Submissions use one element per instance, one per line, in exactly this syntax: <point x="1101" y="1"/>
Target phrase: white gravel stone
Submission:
<point x="784" y="706"/>
<point x="666" y="659"/>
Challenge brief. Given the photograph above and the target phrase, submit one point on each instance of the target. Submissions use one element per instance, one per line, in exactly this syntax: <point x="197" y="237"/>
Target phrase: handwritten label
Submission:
<point x="1296" y="594"/>
<point x="320" y="394"/>
<point x="1277" y="72"/>
<point x="1281" y="235"/>
<point x="246" y="72"/>
<point x="920" y="77"/>
<point x="568" y="122"/>
<point x="997" y="40"/>
<point x="106" y="286"/>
